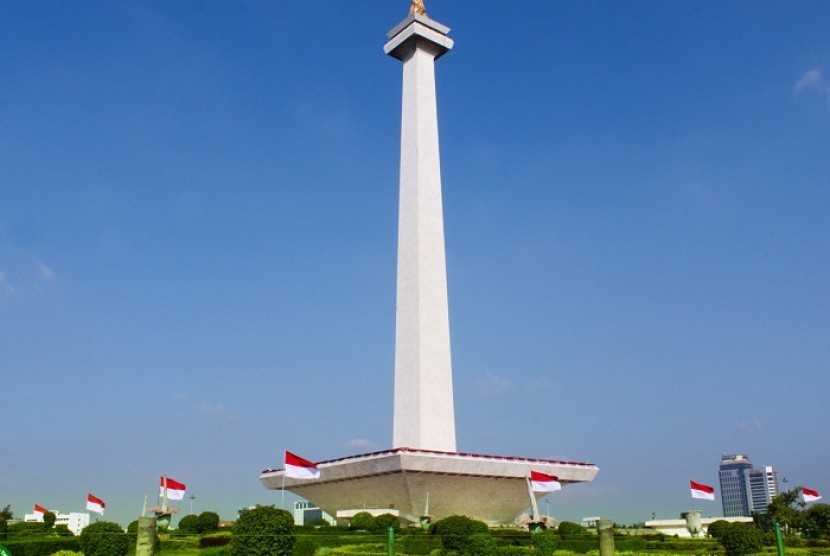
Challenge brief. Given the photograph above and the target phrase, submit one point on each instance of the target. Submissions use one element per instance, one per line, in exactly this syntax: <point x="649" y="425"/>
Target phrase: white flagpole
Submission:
<point x="534" y="507"/>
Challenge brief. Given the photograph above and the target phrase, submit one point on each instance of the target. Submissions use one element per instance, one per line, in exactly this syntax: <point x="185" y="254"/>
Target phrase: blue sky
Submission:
<point x="198" y="231"/>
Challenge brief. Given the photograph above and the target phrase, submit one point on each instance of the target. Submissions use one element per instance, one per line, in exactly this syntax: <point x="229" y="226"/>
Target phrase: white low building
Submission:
<point x="680" y="527"/>
<point x="74" y="521"/>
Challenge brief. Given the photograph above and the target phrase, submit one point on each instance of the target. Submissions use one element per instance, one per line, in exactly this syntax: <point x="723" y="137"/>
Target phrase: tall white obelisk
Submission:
<point x="423" y="467"/>
<point x="424" y="417"/>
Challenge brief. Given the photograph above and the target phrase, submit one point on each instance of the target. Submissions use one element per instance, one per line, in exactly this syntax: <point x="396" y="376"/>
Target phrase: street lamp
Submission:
<point x="192" y="498"/>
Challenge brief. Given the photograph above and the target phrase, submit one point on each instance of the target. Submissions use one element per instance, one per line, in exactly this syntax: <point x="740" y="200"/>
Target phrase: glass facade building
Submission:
<point x="743" y="488"/>
<point x="733" y="474"/>
<point x="762" y="485"/>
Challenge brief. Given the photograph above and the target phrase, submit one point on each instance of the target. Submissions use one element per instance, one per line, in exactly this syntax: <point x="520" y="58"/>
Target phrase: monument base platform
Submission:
<point x="415" y="482"/>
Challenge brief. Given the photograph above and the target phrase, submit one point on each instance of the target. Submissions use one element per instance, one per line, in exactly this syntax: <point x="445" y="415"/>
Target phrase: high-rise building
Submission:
<point x="733" y="474"/>
<point x="744" y="489"/>
<point x="762" y="486"/>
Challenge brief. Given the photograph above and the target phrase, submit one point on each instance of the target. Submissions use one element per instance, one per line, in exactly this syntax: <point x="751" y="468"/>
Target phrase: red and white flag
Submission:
<point x="540" y="482"/>
<point x="39" y="511"/>
<point x="299" y="468"/>
<point x="175" y="489"/>
<point x="704" y="492"/>
<point x="809" y="494"/>
<point x="95" y="504"/>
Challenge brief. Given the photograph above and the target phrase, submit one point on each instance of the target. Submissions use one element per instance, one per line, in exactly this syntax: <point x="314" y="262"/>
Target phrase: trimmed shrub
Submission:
<point x="305" y="546"/>
<point x="104" y="538"/>
<point x="44" y="546"/>
<point x="25" y="529"/>
<point x="741" y="540"/>
<point x="569" y="529"/>
<point x="718" y="528"/>
<point x="362" y="521"/>
<point x="418" y="544"/>
<point x="578" y="545"/>
<point x="214" y="540"/>
<point x="384" y="521"/>
<point x="263" y="531"/>
<point x="188" y="523"/>
<point x="544" y="543"/>
<point x="208" y="522"/>
<point x="480" y="544"/>
<point x="455" y="530"/>
<point x="67" y="553"/>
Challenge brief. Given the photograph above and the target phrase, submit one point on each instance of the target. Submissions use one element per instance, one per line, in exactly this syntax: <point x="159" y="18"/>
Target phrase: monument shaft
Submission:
<point x="424" y="416"/>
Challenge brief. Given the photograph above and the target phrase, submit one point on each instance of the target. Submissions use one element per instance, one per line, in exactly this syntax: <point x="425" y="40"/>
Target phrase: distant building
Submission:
<point x="74" y="521"/>
<point x="680" y="527"/>
<point x="590" y="522"/>
<point x="762" y="486"/>
<point x="745" y="489"/>
<point x="733" y="472"/>
<point x="305" y="512"/>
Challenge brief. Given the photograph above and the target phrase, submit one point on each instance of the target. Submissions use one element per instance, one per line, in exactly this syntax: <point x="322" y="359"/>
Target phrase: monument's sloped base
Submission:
<point x="489" y="488"/>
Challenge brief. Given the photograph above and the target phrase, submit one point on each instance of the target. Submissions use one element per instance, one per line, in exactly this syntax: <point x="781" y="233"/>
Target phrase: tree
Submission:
<point x="741" y="540"/>
<point x="786" y="509"/>
<point x="49" y="519"/>
<point x="362" y="521"/>
<point x="817" y="521"/>
<point x="208" y="522"/>
<point x="132" y="528"/>
<point x="263" y="531"/>
<point x="456" y="530"/>
<point x="104" y="538"/>
<point x="6" y="513"/>
<point x="189" y="523"/>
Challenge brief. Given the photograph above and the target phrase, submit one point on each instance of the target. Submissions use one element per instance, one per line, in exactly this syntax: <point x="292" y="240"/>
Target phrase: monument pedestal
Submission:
<point x="492" y="489"/>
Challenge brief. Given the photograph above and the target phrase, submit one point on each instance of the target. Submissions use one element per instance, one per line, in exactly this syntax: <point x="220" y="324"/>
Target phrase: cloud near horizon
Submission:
<point x="362" y="444"/>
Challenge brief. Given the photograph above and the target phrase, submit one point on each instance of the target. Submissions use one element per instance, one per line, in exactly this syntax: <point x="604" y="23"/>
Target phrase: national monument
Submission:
<point x="423" y="475"/>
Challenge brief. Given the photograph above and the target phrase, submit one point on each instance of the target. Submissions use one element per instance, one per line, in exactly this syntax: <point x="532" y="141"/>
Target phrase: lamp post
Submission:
<point x="192" y="498"/>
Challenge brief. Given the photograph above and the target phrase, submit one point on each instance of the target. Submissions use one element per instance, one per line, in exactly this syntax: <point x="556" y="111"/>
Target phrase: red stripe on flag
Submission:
<point x="294" y="459"/>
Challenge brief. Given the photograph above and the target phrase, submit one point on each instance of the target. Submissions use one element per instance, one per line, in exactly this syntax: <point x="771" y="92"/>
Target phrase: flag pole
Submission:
<point x="534" y="507"/>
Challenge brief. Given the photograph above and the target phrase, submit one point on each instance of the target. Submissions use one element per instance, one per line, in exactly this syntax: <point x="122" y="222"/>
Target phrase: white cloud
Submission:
<point x="362" y="444"/>
<point x="492" y="385"/>
<point x="5" y="286"/>
<point x="216" y="411"/>
<point x="45" y="272"/>
<point x="750" y="426"/>
<point x="813" y="81"/>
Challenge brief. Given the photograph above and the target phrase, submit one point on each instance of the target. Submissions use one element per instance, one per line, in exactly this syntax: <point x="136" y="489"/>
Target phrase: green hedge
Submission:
<point x="44" y="546"/>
